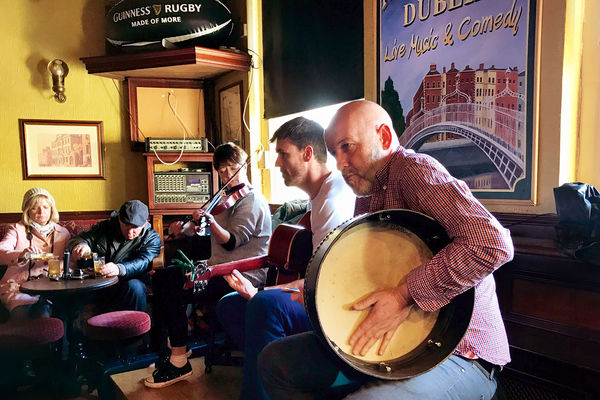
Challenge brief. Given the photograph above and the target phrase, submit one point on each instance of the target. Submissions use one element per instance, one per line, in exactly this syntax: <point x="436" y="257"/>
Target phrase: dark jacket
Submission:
<point x="133" y="257"/>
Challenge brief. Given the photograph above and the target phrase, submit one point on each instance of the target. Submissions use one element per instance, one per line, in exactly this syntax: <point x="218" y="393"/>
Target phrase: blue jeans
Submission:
<point x="127" y="294"/>
<point x="254" y="323"/>
<point x="300" y="367"/>
<point x="41" y="309"/>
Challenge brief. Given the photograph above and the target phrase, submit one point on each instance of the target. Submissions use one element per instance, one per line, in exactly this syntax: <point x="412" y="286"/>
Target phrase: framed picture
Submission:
<point x="230" y="111"/>
<point x="62" y="149"/>
<point x="461" y="83"/>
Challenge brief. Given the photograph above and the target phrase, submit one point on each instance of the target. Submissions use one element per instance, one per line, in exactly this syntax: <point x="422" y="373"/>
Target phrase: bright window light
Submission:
<point x="280" y="193"/>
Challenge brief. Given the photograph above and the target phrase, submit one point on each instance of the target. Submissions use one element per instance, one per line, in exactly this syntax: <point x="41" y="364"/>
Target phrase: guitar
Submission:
<point x="290" y="249"/>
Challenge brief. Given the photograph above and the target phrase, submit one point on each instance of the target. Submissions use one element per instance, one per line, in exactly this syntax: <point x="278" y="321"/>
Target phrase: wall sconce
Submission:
<point x="59" y="70"/>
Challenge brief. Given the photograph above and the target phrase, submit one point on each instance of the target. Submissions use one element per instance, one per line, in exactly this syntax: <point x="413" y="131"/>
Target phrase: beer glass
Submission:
<point x="98" y="263"/>
<point x="54" y="267"/>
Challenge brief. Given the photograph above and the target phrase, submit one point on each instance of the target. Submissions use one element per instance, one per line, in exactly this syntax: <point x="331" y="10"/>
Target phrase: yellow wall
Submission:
<point x="35" y="32"/>
<point x="45" y="29"/>
<point x="588" y="168"/>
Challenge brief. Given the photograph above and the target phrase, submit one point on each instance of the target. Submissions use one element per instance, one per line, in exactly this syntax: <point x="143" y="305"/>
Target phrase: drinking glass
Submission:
<point x="98" y="263"/>
<point x="54" y="267"/>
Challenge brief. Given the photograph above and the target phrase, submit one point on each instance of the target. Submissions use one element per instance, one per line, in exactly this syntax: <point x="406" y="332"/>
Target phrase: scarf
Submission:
<point x="44" y="230"/>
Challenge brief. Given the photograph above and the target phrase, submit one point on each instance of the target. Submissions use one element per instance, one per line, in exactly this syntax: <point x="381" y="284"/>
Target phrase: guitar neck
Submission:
<point x="248" y="264"/>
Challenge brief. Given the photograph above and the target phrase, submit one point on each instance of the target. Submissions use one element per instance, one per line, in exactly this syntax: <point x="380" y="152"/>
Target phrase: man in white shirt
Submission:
<point x="253" y="317"/>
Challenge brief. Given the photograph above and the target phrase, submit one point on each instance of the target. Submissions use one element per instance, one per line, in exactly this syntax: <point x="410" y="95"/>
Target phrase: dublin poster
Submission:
<point x="456" y="77"/>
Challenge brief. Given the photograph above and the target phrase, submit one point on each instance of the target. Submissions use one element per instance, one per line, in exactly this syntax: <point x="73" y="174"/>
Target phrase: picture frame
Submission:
<point x="231" y="114"/>
<point x="464" y="88"/>
<point x="57" y="149"/>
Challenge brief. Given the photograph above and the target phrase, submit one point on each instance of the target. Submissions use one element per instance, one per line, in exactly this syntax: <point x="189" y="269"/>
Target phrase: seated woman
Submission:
<point x="241" y="231"/>
<point x="37" y="232"/>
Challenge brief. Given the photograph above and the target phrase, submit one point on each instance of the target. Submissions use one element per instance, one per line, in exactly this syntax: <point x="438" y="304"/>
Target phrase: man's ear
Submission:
<point x="308" y="153"/>
<point x="385" y="136"/>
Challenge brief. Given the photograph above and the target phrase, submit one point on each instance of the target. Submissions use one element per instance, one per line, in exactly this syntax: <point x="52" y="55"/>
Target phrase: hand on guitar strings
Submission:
<point x="296" y="295"/>
<point x="240" y="284"/>
<point x="390" y="307"/>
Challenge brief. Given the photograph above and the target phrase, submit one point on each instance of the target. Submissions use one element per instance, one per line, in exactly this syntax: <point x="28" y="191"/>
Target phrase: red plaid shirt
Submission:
<point x="479" y="245"/>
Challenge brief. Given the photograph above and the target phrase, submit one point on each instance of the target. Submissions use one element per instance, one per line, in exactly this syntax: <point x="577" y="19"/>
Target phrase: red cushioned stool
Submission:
<point x="33" y="340"/>
<point x="30" y="333"/>
<point x="118" y="325"/>
<point x="113" y="340"/>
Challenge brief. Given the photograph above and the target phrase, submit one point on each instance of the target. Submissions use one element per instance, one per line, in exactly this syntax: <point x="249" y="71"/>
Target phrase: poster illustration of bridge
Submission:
<point x="456" y="78"/>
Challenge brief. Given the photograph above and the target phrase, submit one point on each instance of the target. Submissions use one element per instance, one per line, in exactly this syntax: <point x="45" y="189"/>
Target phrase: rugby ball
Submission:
<point x="140" y="23"/>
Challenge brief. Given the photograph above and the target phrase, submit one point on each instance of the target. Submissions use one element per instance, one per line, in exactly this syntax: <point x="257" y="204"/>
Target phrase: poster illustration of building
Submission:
<point x="455" y="75"/>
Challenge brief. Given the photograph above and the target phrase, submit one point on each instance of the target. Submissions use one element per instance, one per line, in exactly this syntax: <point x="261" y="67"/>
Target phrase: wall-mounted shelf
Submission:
<point x="188" y="63"/>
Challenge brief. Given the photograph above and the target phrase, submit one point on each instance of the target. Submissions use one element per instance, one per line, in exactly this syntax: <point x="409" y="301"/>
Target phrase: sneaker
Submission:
<point x="165" y="357"/>
<point x="168" y="375"/>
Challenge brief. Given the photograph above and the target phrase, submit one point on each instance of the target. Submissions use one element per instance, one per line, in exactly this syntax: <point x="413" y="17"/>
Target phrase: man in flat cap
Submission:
<point x="128" y="244"/>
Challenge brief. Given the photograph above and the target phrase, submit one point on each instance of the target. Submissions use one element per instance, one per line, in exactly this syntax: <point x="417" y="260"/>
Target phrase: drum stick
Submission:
<point x="290" y="290"/>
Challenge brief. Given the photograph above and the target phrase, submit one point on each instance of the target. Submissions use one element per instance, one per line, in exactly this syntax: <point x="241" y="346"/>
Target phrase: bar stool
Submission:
<point x="28" y="334"/>
<point x="26" y="339"/>
<point x="118" y="325"/>
<point x="110" y="338"/>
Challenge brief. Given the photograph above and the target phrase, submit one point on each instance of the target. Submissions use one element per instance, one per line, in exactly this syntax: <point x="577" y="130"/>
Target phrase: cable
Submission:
<point x="127" y="108"/>
<point x="250" y="88"/>
<point x="173" y="110"/>
<point x="185" y="128"/>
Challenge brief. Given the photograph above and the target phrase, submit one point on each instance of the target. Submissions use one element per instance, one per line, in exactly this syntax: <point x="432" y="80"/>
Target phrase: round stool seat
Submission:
<point x="118" y="325"/>
<point x="30" y="332"/>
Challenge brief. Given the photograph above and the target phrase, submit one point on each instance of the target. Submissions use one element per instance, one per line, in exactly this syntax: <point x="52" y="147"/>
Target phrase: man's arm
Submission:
<point x="148" y="251"/>
<point x="479" y="244"/>
<point x="90" y="238"/>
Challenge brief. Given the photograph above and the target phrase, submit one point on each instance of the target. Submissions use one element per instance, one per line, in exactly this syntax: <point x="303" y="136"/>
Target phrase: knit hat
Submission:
<point x="36" y="191"/>
<point x="133" y="212"/>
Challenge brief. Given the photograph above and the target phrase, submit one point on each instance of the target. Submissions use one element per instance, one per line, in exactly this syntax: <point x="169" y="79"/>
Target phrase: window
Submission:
<point x="281" y="193"/>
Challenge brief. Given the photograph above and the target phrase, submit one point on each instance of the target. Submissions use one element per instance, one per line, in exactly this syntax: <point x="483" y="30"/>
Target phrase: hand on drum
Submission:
<point x="240" y="284"/>
<point x="390" y="308"/>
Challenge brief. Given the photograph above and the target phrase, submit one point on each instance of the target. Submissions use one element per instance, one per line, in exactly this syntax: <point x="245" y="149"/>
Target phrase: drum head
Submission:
<point x="372" y="252"/>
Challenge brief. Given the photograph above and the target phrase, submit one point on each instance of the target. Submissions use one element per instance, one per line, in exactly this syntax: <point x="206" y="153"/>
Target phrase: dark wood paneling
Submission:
<point x="551" y="308"/>
<point x="64" y="216"/>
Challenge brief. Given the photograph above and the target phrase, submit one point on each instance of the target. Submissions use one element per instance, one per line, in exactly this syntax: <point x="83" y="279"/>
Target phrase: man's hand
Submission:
<point x="296" y="296"/>
<point x="240" y="284"/>
<point x="109" y="269"/>
<point x="390" y="309"/>
<point x="79" y="250"/>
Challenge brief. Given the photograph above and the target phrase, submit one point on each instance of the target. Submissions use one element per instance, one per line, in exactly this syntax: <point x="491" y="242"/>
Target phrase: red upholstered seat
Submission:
<point x="30" y="332"/>
<point x="118" y="325"/>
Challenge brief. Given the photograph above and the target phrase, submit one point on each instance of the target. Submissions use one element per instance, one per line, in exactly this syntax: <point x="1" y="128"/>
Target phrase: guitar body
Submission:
<point x="290" y="249"/>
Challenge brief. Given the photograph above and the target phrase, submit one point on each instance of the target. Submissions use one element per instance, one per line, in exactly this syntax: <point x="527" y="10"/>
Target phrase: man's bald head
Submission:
<point x="361" y="138"/>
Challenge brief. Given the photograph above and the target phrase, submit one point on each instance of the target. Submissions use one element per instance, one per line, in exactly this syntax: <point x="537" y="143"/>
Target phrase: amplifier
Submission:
<point x="182" y="187"/>
<point x="171" y="145"/>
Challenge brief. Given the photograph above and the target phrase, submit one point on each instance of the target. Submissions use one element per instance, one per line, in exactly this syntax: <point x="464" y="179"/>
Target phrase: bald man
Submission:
<point x="387" y="176"/>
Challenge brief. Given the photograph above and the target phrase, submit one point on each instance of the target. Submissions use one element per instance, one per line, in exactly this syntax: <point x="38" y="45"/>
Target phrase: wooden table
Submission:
<point x="53" y="289"/>
<point x="67" y="296"/>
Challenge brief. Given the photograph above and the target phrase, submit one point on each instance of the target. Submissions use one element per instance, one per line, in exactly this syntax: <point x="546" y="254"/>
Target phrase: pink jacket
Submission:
<point x="14" y="242"/>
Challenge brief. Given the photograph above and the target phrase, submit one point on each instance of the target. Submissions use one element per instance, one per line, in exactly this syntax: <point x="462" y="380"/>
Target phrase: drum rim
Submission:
<point x="459" y="308"/>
